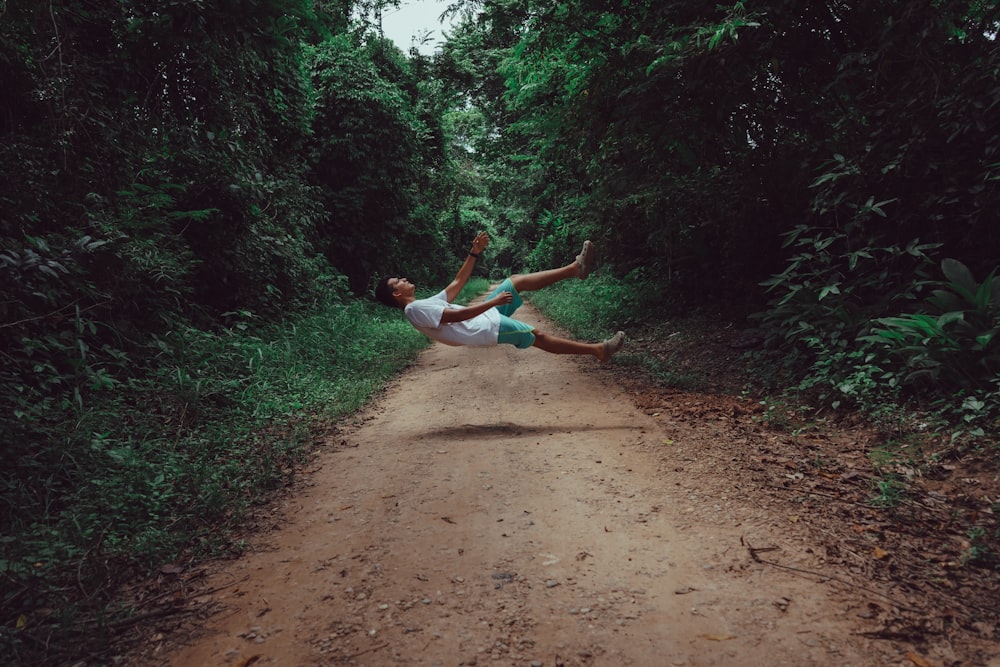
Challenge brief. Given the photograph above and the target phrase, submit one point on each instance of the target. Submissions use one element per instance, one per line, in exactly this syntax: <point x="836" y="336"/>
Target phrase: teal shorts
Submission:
<point x="513" y="332"/>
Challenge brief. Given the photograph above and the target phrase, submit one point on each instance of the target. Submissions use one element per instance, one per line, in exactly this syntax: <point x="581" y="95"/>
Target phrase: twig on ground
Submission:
<point x="754" y="551"/>
<point x="820" y="493"/>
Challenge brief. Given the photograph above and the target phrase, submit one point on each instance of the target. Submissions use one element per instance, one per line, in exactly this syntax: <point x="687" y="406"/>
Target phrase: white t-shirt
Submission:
<point x="479" y="331"/>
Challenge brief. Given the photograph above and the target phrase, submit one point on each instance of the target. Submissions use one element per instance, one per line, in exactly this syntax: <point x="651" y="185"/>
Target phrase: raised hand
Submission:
<point x="480" y="242"/>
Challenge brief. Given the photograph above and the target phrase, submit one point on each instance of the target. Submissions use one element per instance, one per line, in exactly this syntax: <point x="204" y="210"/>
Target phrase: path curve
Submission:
<point x="505" y="507"/>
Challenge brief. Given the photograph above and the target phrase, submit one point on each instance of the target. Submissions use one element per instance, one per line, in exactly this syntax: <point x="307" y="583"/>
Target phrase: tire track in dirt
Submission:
<point x="504" y="507"/>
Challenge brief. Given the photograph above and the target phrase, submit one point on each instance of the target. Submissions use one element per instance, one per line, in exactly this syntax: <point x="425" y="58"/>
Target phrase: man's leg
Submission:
<point x="557" y="345"/>
<point x="529" y="282"/>
<point x="579" y="268"/>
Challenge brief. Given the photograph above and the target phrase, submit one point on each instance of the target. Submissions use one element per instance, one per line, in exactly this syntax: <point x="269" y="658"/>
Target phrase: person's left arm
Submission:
<point x="462" y="277"/>
<point x="451" y="315"/>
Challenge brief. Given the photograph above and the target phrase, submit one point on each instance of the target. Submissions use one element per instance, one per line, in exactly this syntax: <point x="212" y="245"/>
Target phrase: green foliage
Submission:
<point x="366" y="156"/>
<point x="888" y="491"/>
<point x="598" y="306"/>
<point x="826" y="298"/>
<point x="156" y="192"/>
<point x="979" y="551"/>
<point x="554" y="237"/>
<point x="688" y="139"/>
<point x="778" y="414"/>
<point x="946" y="351"/>
<point x="475" y="287"/>
<point x="158" y="468"/>
<point x="595" y="136"/>
<point x="951" y="344"/>
<point x="894" y="462"/>
<point x="833" y="286"/>
<point x="171" y="168"/>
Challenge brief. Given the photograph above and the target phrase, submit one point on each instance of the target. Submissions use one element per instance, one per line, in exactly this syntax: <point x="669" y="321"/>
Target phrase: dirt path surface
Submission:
<point x="504" y="507"/>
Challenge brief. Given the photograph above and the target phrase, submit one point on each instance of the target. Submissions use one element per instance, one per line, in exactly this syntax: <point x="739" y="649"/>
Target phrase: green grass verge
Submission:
<point x="592" y="309"/>
<point x="162" y="468"/>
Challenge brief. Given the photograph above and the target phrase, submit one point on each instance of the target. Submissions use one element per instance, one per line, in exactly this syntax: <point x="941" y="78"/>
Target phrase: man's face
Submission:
<point x="401" y="287"/>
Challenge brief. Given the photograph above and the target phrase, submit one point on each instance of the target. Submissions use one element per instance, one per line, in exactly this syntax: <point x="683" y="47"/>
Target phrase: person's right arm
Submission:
<point x="468" y="312"/>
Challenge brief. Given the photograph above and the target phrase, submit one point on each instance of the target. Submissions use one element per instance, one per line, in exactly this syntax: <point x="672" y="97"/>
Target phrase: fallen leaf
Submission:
<point x="794" y="518"/>
<point x="880" y="553"/>
<point x="668" y="442"/>
<point x="918" y="659"/>
<point x="22" y="622"/>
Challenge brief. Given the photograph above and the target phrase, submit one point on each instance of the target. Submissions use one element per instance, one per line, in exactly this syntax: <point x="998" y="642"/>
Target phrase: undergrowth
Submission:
<point x="159" y="470"/>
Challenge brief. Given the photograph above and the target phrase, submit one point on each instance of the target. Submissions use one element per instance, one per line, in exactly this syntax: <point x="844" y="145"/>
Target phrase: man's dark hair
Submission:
<point x="383" y="292"/>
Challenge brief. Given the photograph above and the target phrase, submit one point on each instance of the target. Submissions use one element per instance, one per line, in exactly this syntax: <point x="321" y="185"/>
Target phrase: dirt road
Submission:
<point x="500" y="507"/>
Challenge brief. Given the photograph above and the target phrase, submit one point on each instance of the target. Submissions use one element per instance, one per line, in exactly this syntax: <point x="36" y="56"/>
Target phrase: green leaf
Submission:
<point x="949" y="318"/>
<point x="959" y="275"/>
<point x="829" y="289"/>
<point x="983" y="340"/>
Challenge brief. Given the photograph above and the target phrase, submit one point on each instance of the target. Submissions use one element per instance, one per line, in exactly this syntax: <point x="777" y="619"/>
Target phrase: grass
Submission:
<point x="162" y="468"/>
<point x="595" y="308"/>
<point x="475" y="287"/>
<point x="591" y="309"/>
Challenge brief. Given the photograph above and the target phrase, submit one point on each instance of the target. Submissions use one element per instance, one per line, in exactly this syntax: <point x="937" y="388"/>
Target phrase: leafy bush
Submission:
<point x="834" y="284"/>
<point x="555" y="237"/>
<point x="948" y="351"/>
<point x="826" y="298"/>
<point x="952" y="344"/>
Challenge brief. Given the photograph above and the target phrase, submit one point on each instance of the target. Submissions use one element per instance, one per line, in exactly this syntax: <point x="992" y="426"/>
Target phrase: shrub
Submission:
<point x="951" y="345"/>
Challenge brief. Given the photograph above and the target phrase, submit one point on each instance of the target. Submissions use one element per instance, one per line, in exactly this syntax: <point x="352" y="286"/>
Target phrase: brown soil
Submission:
<point x="504" y="507"/>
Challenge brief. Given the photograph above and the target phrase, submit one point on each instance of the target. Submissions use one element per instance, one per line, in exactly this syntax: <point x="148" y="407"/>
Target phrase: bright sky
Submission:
<point x="414" y="17"/>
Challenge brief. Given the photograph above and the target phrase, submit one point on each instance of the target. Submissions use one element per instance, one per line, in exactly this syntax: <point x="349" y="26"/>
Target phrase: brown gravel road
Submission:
<point x="505" y="507"/>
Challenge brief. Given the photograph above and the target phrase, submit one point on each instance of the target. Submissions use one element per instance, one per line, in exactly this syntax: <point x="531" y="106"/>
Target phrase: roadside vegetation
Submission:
<point x="197" y="199"/>
<point x="157" y="472"/>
